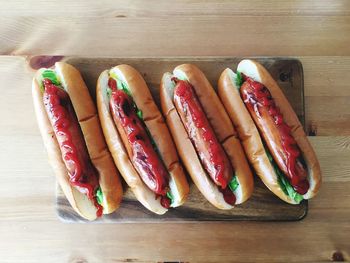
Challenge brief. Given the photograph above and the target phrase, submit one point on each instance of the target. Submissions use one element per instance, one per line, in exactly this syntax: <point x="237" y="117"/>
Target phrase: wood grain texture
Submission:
<point x="114" y="36"/>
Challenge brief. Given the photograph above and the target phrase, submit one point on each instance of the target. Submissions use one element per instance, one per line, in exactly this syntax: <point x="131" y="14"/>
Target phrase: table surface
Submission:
<point x="316" y="32"/>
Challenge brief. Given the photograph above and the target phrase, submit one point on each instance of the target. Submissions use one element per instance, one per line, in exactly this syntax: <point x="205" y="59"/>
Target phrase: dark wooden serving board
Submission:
<point x="262" y="206"/>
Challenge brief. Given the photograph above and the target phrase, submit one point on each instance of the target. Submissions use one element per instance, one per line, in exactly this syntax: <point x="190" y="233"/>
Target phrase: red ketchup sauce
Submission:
<point x="260" y="97"/>
<point x="145" y="158"/>
<point x="218" y="162"/>
<point x="82" y="174"/>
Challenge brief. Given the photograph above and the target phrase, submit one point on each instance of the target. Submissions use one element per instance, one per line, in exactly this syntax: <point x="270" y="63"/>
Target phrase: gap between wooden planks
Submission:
<point x="181" y="8"/>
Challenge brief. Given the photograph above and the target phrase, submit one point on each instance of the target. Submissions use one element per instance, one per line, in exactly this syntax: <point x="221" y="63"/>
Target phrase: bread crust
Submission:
<point x="250" y="136"/>
<point x="100" y="157"/>
<point x="222" y="127"/>
<point x="158" y="130"/>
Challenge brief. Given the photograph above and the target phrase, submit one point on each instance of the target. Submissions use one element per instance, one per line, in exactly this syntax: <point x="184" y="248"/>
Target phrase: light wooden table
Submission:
<point x="316" y="32"/>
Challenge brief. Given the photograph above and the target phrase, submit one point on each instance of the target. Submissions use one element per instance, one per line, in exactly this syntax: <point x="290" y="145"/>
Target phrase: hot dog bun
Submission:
<point x="249" y="135"/>
<point x="158" y="130"/>
<point x="222" y="127"/>
<point x="85" y="110"/>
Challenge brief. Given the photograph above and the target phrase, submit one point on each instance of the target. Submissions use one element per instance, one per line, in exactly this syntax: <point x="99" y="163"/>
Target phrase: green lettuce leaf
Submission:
<point x="289" y="190"/>
<point x="139" y="114"/>
<point x="51" y="75"/>
<point x="99" y="196"/>
<point x="238" y="79"/>
<point x="109" y="92"/>
<point x="233" y="184"/>
<point x="170" y="196"/>
<point x="123" y="86"/>
<point x="285" y="185"/>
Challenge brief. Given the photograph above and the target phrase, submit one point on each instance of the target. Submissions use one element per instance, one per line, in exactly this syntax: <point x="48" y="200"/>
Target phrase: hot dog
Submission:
<point x="201" y="134"/>
<point x="139" y="140"/>
<point x="74" y="141"/>
<point x="205" y="137"/>
<point x="271" y="133"/>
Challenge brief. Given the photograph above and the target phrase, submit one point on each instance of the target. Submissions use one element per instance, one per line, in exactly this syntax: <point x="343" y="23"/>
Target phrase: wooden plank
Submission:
<point x="182" y="8"/>
<point x="333" y="154"/>
<point x="326" y="76"/>
<point x="174" y="36"/>
<point x="323" y="232"/>
<point x="321" y="113"/>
